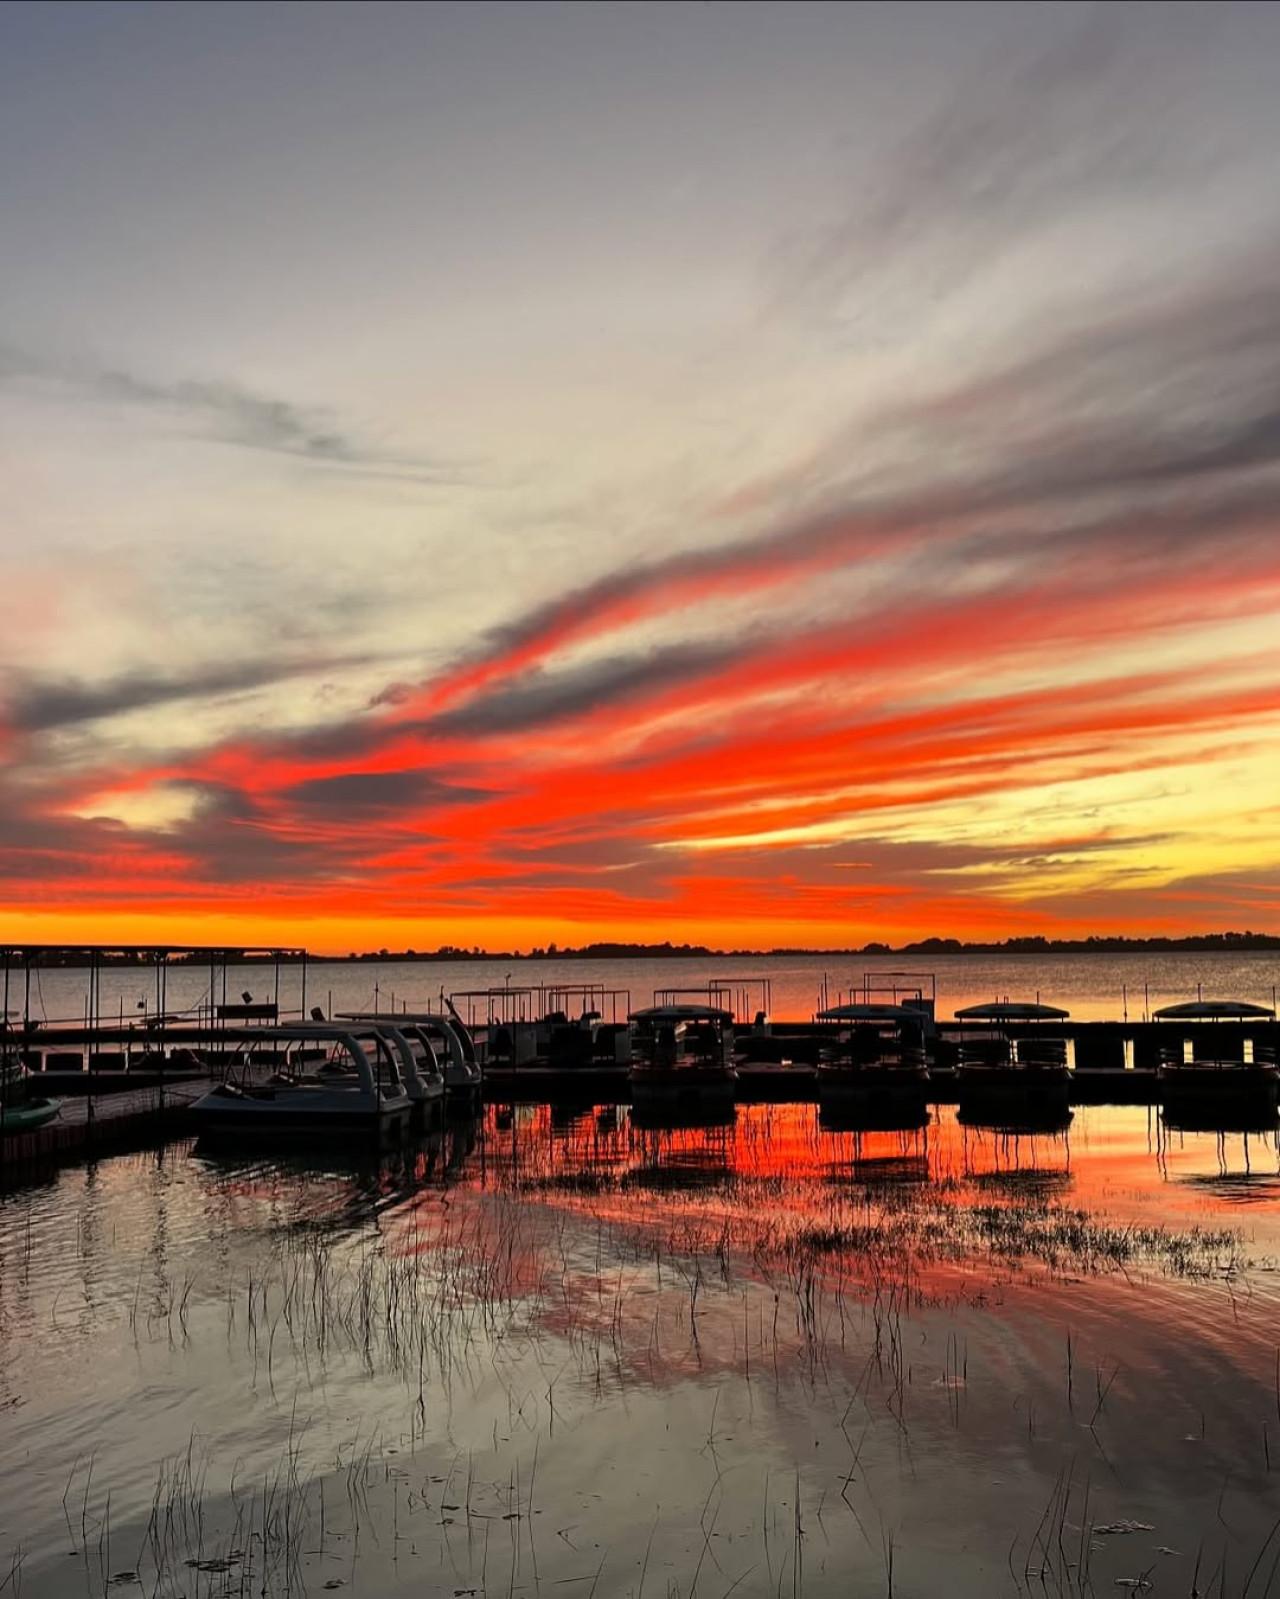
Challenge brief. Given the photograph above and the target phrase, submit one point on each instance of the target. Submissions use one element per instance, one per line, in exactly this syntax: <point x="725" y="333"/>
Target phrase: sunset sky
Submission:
<point x="743" y="474"/>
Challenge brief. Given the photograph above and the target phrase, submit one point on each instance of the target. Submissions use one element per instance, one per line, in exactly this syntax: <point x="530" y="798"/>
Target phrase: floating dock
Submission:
<point x="109" y="1109"/>
<point x="88" y="1125"/>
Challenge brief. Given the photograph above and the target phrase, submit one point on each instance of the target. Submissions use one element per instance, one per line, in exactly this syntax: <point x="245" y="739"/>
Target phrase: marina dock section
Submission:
<point x="90" y="1125"/>
<point x="128" y="1080"/>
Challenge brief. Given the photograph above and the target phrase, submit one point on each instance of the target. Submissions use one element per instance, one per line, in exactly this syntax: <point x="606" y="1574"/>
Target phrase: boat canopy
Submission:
<point x="351" y="1039"/>
<point x="411" y="1069"/>
<point x="452" y="1029"/>
<point x="1012" y="1011"/>
<point x="870" y="1011"/>
<point x="1206" y="1010"/>
<point x="670" y="1015"/>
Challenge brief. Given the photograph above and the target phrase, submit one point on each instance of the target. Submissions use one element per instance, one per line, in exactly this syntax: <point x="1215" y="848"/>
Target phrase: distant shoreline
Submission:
<point x="117" y="955"/>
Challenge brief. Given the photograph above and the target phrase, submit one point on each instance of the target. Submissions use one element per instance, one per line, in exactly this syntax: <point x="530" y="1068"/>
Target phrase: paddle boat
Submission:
<point x="1012" y="1071"/>
<point x="682" y="1061"/>
<point x="872" y="1073"/>
<point x="419" y="1067"/>
<point x="354" y="1087"/>
<point x="1201" y="1085"/>
<point x="449" y="1038"/>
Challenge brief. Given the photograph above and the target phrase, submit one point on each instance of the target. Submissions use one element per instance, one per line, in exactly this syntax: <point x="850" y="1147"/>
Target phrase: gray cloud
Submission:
<point x="230" y="839"/>
<point x="1093" y="439"/>
<point x="1240" y="900"/>
<point x="537" y="698"/>
<point x="220" y="411"/>
<point x="1150" y="436"/>
<point x="613" y="865"/>
<point x="1193" y="366"/>
<point x="936" y="866"/>
<point x="359" y="792"/>
<point x="1018" y="145"/>
<point x="36" y="705"/>
<point x="1068" y="459"/>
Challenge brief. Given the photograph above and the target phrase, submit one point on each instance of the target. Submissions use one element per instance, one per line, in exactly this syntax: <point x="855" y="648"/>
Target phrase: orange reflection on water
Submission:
<point x="1117" y="1160"/>
<point x="655" y="1255"/>
<point x="947" y="1212"/>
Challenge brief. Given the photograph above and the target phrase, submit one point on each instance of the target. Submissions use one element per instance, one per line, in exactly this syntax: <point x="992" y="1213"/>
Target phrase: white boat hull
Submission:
<point x="303" y="1110"/>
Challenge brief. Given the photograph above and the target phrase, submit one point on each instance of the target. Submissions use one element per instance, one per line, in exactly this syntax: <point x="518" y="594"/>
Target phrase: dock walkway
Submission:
<point x="129" y="1119"/>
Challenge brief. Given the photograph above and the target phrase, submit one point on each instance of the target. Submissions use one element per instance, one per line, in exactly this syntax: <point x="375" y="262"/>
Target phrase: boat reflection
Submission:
<point x="335" y="1190"/>
<point x="783" y="1162"/>
<point x="871" y="1118"/>
<point x="673" y="1115"/>
<point x="789" y="1151"/>
<point x="1241" y="1164"/>
<point x="877" y="1155"/>
<point x="1220" y="1119"/>
<point x="1017" y="1163"/>
<point x="1025" y="1122"/>
<point x="675" y="1164"/>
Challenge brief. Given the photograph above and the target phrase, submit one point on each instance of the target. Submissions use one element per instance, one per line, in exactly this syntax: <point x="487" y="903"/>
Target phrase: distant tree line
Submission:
<point x="1034" y="944"/>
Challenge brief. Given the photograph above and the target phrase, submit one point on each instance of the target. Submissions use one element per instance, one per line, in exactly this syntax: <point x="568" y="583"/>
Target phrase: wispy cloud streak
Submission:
<point x="35" y="705"/>
<point x="219" y="411"/>
<point x="1018" y="144"/>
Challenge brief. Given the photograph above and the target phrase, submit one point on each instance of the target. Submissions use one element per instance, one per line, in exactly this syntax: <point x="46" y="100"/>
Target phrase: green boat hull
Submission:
<point x="30" y="1113"/>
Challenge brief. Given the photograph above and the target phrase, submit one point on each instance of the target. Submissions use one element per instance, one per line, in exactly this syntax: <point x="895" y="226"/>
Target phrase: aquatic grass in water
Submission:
<point x="888" y="1220"/>
<point x="431" y="1304"/>
<point x="598" y="1388"/>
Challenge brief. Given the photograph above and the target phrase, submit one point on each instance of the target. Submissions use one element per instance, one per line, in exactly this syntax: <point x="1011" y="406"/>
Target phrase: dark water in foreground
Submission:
<point x="556" y="1353"/>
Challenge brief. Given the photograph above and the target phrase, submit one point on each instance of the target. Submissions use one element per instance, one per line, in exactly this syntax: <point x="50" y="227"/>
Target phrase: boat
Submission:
<point x="1009" y="1077"/>
<point x="682" y="1062"/>
<point x="22" y="1107"/>
<point x="356" y="1088"/>
<point x="1200" y="1085"/>
<point x="873" y="1073"/>
<point x="425" y="1079"/>
<point x="448" y="1037"/>
<point x="563" y="1029"/>
<point x="419" y="1067"/>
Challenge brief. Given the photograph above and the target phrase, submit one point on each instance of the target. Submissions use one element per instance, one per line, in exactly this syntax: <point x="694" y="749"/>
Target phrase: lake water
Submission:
<point x="1091" y="987"/>
<point x="552" y="1353"/>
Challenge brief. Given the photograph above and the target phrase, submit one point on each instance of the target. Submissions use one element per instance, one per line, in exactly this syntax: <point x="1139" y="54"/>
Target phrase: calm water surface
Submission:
<point x="551" y="1351"/>
<point x="1089" y="986"/>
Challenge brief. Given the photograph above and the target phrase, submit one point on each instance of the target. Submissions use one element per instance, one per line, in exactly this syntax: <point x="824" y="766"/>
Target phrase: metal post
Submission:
<point x="90" y="1051"/>
<point x="4" y="1027"/>
<point x="159" y="955"/>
